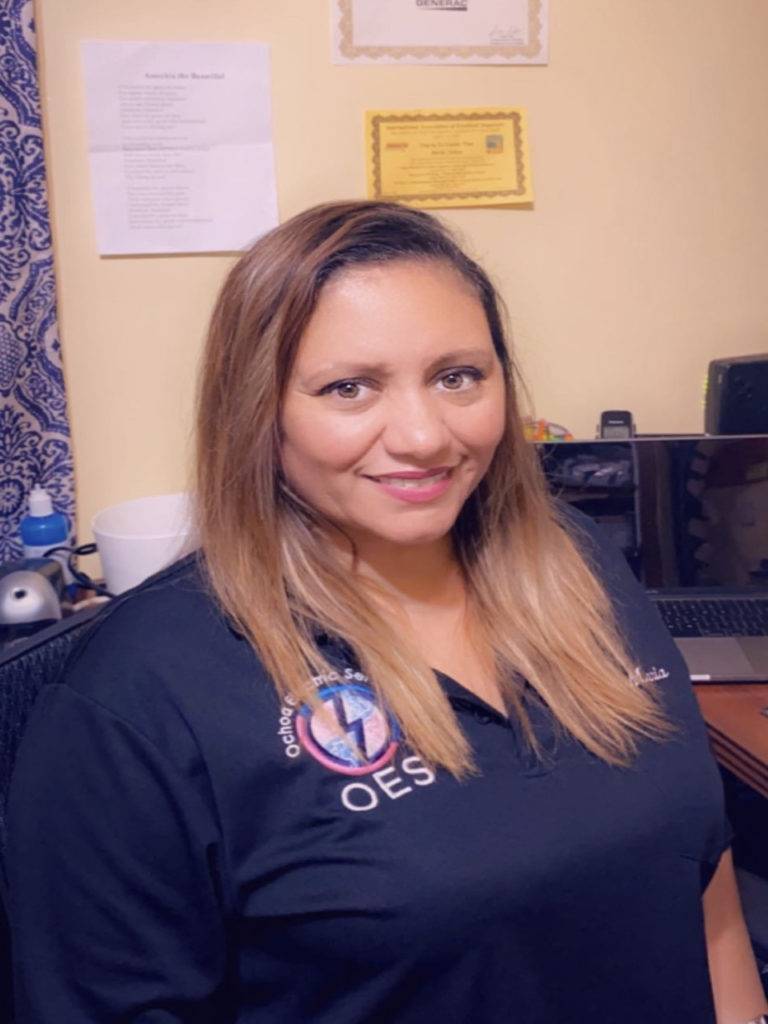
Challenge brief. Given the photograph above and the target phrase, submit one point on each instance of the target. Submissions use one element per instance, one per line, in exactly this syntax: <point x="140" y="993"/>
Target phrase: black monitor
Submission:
<point x="687" y="511"/>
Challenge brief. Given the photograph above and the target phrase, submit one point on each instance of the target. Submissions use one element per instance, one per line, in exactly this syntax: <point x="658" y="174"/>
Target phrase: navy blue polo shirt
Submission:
<point x="186" y="848"/>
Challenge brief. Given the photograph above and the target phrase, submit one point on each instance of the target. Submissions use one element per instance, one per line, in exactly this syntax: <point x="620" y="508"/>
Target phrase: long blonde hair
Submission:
<point x="541" y="611"/>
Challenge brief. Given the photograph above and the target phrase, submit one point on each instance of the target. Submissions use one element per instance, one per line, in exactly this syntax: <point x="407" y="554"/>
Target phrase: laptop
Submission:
<point x="691" y="515"/>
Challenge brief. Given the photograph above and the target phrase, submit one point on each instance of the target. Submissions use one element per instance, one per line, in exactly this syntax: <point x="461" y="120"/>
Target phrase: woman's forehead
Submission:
<point x="376" y="312"/>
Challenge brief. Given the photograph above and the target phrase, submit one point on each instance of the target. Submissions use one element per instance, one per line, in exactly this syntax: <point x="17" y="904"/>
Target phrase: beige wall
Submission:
<point x="644" y="257"/>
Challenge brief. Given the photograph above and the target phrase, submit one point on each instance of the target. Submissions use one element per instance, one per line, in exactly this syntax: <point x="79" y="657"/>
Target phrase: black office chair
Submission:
<point x="25" y="667"/>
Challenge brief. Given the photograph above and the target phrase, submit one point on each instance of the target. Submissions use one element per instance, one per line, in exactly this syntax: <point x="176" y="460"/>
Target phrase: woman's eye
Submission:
<point x="459" y="380"/>
<point x="348" y="389"/>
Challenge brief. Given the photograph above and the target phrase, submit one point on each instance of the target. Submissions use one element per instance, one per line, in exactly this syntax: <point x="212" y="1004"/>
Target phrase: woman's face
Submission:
<point x="395" y="404"/>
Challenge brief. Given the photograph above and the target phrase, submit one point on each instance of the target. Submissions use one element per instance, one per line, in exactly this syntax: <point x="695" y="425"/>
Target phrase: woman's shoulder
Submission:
<point x="165" y="642"/>
<point x="603" y="556"/>
<point x="167" y="613"/>
<point x="179" y="589"/>
<point x="585" y="531"/>
<point x="658" y="659"/>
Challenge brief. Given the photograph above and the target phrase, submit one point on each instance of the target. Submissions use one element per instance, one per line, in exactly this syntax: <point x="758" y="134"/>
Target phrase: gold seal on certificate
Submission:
<point x="476" y="156"/>
<point x="440" y="31"/>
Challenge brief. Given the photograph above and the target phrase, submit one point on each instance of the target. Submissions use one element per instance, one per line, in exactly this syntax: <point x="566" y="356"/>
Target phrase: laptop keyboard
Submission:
<point x="716" y="617"/>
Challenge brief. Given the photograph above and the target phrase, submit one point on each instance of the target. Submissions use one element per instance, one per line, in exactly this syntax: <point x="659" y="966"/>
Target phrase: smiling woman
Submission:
<point x="324" y="382"/>
<point x="404" y="741"/>
<point x="396" y="398"/>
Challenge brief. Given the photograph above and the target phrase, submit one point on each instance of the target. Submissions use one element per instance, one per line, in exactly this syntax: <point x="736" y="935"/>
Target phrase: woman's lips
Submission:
<point x="415" y="486"/>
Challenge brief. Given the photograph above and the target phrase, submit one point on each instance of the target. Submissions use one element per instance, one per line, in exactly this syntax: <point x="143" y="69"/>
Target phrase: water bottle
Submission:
<point x="43" y="528"/>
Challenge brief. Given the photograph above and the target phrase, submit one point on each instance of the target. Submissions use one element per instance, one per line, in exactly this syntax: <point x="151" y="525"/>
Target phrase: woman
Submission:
<point x="403" y="741"/>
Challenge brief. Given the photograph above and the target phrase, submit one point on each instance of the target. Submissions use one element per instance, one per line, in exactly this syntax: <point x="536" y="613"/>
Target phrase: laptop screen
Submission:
<point x="689" y="512"/>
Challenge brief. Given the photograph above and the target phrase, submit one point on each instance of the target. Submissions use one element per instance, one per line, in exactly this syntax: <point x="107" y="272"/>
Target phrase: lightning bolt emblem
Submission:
<point x="351" y="715"/>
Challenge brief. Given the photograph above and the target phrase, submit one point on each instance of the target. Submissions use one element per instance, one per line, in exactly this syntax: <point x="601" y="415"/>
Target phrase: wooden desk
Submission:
<point x="737" y="729"/>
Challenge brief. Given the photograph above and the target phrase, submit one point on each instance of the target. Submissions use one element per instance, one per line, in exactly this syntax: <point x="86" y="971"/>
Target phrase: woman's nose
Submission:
<point x="415" y="426"/>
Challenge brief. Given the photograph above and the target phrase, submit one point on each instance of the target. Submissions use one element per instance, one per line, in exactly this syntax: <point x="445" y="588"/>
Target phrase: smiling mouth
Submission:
<point x="413" y="482"/>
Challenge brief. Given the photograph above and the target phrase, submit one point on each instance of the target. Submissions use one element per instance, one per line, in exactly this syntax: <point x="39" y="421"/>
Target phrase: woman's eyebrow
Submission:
<point x="342" y="368"/>
<point x="339" y="370"/>
<point x="463" y="355"/>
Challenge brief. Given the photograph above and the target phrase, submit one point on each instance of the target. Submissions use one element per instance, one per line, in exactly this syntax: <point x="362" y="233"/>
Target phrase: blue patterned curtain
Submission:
<point x="34" y="430"/>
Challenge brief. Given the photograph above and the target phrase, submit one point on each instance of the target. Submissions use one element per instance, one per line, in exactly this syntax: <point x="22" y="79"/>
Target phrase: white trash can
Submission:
<point x="138" y="538"/>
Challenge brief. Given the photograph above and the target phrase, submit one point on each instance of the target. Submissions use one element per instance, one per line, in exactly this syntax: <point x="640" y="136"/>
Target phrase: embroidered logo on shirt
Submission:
<point x="349" y="733"/>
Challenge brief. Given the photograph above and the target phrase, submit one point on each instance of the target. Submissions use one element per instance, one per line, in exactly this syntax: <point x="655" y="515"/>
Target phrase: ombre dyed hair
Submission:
<point x="538" y="605"/>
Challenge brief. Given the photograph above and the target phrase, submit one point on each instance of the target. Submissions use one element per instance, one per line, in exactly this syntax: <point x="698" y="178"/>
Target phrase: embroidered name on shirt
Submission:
<point x="652" y="675"/>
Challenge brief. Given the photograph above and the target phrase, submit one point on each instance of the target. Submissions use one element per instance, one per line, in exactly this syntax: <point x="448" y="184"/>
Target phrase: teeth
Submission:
<point x="409" y="484"/>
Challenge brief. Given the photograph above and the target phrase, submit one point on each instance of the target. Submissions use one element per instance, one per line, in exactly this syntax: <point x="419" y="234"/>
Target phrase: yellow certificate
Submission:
<point x="475" y="156"/>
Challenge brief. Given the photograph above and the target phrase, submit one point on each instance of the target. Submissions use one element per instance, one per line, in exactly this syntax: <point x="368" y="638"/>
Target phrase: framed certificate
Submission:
<point x="439" y="158"/>
<point x="440" y="31"/>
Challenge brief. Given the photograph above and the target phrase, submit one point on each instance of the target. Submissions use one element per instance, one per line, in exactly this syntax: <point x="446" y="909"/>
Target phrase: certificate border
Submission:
<point x="475" y="115"/>
<point x="348" y="48"/>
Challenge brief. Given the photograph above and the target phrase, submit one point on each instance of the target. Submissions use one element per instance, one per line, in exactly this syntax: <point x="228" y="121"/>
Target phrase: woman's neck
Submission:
<point x="418" y="575"/>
